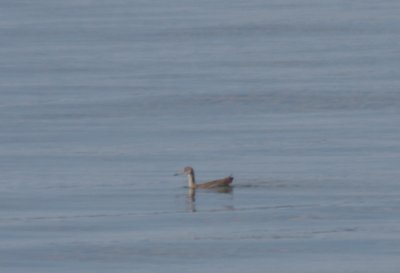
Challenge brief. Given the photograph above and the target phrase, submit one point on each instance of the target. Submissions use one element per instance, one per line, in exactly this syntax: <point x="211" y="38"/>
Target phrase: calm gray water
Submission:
<point x="101" y="102"/>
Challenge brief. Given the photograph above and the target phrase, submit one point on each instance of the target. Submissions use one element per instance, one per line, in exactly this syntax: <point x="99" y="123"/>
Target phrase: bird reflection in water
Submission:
<point x="191" y="197"/>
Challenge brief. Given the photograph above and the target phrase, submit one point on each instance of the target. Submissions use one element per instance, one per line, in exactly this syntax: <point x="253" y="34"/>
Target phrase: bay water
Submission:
<point x="101" y="102"/>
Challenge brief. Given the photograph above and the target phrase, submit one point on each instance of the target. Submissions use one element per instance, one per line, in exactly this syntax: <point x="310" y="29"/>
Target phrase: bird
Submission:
<point x="223" y="182"/>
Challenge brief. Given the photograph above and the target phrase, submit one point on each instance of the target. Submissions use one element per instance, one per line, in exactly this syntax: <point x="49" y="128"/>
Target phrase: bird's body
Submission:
<point x="223" y="182"/>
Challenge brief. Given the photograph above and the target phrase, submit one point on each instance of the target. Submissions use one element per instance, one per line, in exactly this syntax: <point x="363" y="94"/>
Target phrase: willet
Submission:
<point x="223" y="182"/>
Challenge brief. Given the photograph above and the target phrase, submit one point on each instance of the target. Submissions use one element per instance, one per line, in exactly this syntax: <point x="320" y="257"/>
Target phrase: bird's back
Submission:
<point x="223" y="182"/>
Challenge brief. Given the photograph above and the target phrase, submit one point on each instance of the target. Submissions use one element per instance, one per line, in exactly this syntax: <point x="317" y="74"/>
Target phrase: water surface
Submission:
<point x="101" y="102"/>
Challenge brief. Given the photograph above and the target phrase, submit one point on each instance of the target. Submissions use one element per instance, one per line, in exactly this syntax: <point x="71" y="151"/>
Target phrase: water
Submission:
<point x="102" y="101"/>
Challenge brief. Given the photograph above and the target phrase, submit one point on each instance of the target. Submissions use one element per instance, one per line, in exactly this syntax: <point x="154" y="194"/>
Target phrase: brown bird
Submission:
<point x="223" y="182"/>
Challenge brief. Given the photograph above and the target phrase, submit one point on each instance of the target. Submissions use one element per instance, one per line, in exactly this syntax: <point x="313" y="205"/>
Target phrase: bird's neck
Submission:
<point x="191" y="181"/>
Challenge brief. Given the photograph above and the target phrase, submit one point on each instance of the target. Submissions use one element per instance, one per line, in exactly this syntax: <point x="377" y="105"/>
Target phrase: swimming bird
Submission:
<point x="223" y="182"/>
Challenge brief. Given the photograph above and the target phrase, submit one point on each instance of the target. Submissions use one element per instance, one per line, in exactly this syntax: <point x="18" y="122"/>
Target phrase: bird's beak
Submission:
<point x="179" y="173"/>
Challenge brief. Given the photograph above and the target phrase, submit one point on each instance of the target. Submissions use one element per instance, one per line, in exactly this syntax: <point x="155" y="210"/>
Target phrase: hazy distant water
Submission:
<point x="102" y="101"/>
